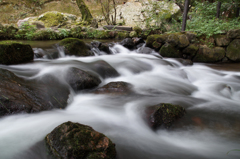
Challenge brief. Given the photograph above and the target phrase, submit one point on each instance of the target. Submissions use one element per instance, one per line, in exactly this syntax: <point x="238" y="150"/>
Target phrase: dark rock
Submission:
<point x="101" y="46"/>
<point x="206" y="54"/>
<point x="233" y="50"/>
<point x="137" y="41"/>
<point x="77" y="47"/>
<point x="221" y="40"/>
<point x="15" y="53"/>
<point x="29" y="96"/>
<point x="169" y="50"/>
<point x="232" y="34"/>
<point x="164" y="114"/>
<point x="79" y="79"/>
<point x="115" y="88"/>
<point x="104" y="69"/>
<point x="76" y="141"/>
<point x="128" y="43"/>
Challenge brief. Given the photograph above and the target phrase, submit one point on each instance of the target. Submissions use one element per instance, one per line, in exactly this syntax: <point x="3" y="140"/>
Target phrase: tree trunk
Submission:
<point x="218" y="9"/>
<point x="185" y="15"/>
<point x="237" y="12"/>
<point x="86" y="14"/>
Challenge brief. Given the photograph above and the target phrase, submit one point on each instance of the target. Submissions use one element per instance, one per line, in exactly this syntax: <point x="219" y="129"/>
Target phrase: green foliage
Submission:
<point x="204" y="20"/>
<point x="26" y="31"/>
<point x="63" y="33"/>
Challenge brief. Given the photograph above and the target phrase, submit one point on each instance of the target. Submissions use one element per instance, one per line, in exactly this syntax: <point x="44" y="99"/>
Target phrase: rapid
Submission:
<point x="211" y="97"/>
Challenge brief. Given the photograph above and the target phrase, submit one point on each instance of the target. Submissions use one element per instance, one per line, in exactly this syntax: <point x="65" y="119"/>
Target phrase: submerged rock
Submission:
<point x="15" y="53"/>
<point x="115" y="88"/>
<point x="77" y="47"/>
<point x="163" y="114"/>
<point x="29" y="96"/>
<point x="76" y="141"/>
<point x="79" y="79"/>
<point x="233" y="50"/>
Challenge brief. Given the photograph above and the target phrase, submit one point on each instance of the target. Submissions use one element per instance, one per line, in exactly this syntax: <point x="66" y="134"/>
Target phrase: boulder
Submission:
<point x="182" y="41"/>
<point x="45" y="34"/>
<point x="76" y="141"/>
<point x="233" y="34"/>
<point x="115" y="88"/>
<point x="233" y="50"/>
<point x="80" y="80"/>
<point x="29" y="96"/>
<point x="190" y="51"/>
<point x="206" y="54"/>
<point x="137" y="41"/>
<point x="104" y="69"/>
<point x="173" y="39"/>
<point x="169" y="50"/>
<point x="191" y="36"/>
<point x="101" y="46"/>
<point x="221" y="40"/>
<point x="15" y="53"/>
<point x="133" y="34"/>
<point x="163" y="114"/>
<point x="74" y="46"/>
<point x="128" y="43"/>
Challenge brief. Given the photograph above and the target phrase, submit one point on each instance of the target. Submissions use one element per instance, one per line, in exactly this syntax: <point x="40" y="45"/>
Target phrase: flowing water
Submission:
<point x="211" y="97"/>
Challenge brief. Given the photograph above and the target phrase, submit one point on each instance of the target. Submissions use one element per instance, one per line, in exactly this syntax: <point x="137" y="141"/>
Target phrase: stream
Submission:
<point x="209" y="93"/>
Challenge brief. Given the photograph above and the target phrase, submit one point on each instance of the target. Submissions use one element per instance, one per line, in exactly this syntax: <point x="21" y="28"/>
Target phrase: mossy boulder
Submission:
<point x="190" y="51"/>
<point x="137" y="29"/>
<point x="173" y="39"/>
<point x="133" y="34"/>
<point x="221" y="40"/>
<point x="19" y="95"/>
<point x="206" y="54"/>
<point x="233" y="34"/>
<point x="52" y="18"/>
<point x="15" y="53"/>
<point x="191" y="36"/>
<point x="115" y="88"/>
<point x="46" y="34"/>
<point x="151" y="39"/>
<point x="183" y="41"/>
<point x="122" y="35"/>
<point x="80" y="80"/>
<point x="233" y="50"/>
<point x="77" y="47"/>
<point x="77" y="141"/>
<point x="169" y="50"/>
<point x="163" y="115"/>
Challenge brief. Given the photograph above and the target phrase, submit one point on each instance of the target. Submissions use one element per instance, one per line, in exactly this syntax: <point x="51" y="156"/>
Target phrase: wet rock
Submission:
<point x="232" y="34"/>
<point x="221" y="40"/>
<point x="137" y="41"/>
<point x="101" y="46"/>
<point x="115" y="88"/>
<point x="104" y="69"/>
<point x="233" y="50"/>
<point x="77" y="141"/>
<point x="206" y="54"/>
<point x="128" y="43"/>
<point x="15" y="53"/>
<point x="30" y="96"/>
<point x="77" y="47"/>
<point x="163" y="114"/>
<point x="79" y="79"/>
<point x="169" y="50"/>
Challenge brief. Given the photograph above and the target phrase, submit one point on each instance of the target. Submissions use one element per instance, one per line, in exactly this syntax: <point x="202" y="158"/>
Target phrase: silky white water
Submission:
<point x="208" y="131"/>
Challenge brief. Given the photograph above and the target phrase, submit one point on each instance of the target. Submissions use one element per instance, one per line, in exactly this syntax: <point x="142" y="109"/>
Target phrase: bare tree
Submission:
<point x="218" y="8"/>
<point x="186" y="5"/>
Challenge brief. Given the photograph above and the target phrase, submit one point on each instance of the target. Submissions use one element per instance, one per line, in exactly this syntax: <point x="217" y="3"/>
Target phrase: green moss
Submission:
<point x="122" y="35"/>
<point x="102" y="34"/>
<point x="47" y="34"/>
<point x="233" y="50"/>
<point x="52" y="18"/>
<point x="151" y="39"/>
<point x="133" y="34"/>
<point x="137" y="29"/>
<point x="169" y="50"/>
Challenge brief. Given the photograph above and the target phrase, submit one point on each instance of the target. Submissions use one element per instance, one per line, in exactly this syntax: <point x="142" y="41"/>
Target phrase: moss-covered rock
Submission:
<point x="77" y="141"/>
<point x="221" y="40"/>
<point x="15" y="53"/>
<point x="163" y="114"/>
<point x="183" y="41"/>
<point x="122" y="35"/>
<point x="77" y="47"/>
<point x="52" y="18"/>
<point x="206" y="54"/>
<point x="173" y="39"/>
<point x="46" y="34"/>
<point x="137" y="29"/>
<point x="232" y="34"/>
<point x="169" y="50"/>
<point x="233" y="50"/>
<point x="151" y="39"/>
<point x="133" y="34"/>
<point x="115" y="88"/>
<point x="8" y="32"/>
<point x="191" y="36"/>
<point x="190" y="51"/>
